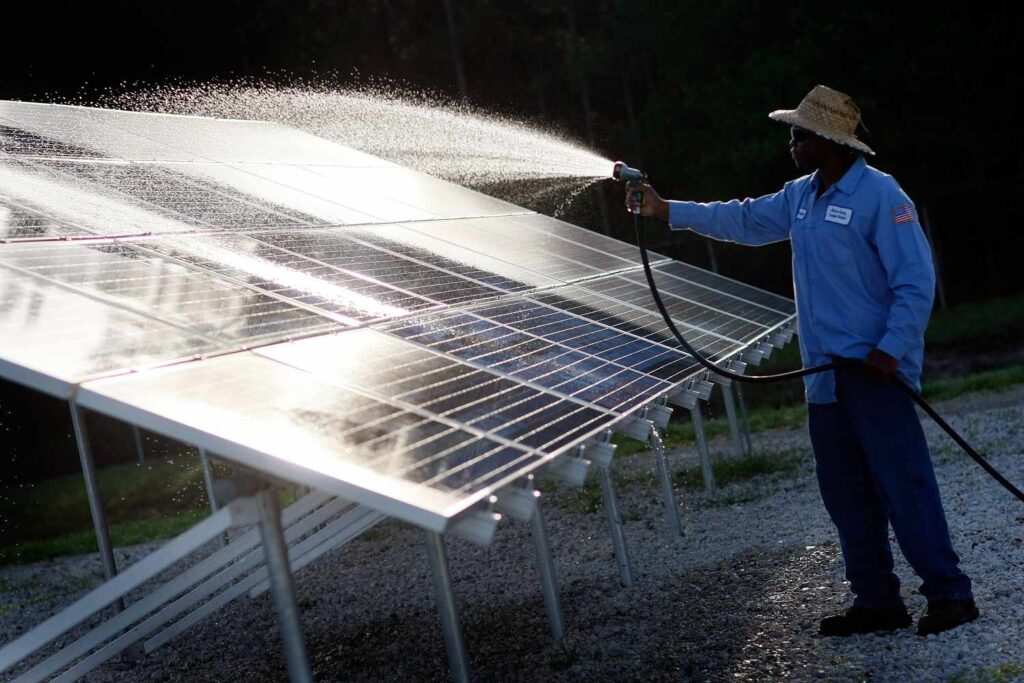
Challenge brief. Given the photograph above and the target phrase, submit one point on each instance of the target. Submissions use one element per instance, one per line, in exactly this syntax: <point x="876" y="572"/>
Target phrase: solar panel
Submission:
<point x="405" y="460"/>
<point x="518" y="331"/>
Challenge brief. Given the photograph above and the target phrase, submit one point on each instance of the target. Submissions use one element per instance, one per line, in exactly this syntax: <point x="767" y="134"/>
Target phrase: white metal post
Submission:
<point x="668" y="493"/>
<point x="702" y="449"/>
<point x="92" y="492"/>
<point x="730" y="414"/>
<point x="283" y="588"/>
<point x="546" y="568"/>
<point x="211" y="495"/>
<point x="446" y="607"/>
<point x="140" y="446"/>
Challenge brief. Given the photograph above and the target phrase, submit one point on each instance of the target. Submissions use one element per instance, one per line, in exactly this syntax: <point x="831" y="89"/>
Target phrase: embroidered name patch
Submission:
<point x="838" y="214"/>
<point x="902" y="214"/>
<point x="800" y="214"/>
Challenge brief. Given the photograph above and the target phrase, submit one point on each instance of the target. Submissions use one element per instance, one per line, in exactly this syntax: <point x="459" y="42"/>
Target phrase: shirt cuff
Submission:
<point x="683" y="215"/>
<point x="893" y="345"/>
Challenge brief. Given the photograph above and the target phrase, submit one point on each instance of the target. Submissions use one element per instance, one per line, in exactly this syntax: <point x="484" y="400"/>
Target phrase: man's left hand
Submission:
<point x="880" y="366"/>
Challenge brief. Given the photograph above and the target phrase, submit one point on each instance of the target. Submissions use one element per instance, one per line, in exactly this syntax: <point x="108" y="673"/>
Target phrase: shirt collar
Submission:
<point x="848" y="183"/>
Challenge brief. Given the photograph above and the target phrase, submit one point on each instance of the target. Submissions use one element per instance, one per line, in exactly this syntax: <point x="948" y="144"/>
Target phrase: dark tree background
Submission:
<point x="679" y="86"/>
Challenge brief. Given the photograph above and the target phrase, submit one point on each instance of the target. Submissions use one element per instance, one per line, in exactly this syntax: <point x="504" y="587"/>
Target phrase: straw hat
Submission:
<point x="828" y="113"/>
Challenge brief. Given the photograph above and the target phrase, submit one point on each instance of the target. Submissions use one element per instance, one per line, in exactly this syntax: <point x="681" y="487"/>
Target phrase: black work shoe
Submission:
<point x="943" y="615"/>
<point x="865" y="620"/>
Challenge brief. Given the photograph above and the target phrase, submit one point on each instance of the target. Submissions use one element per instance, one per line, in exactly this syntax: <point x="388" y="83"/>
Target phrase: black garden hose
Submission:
<point x="795" y="374"/>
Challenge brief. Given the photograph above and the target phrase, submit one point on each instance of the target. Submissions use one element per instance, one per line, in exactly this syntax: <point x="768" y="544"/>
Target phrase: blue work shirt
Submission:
<point x="862" y="268"/>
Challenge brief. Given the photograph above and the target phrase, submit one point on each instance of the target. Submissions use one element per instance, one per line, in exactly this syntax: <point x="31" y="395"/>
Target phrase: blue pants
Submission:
<point x="874" y="470"/>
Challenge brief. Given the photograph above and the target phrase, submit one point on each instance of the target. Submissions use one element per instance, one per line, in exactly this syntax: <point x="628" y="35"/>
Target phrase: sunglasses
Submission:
<point x="800" y="135"/>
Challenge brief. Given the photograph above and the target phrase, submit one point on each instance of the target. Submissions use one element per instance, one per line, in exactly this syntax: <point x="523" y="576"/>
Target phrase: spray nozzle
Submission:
<point x="632" y="176"/>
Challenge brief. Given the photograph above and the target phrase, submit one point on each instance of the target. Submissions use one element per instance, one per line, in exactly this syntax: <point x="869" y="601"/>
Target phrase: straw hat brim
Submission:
<point x="793" y="118"/>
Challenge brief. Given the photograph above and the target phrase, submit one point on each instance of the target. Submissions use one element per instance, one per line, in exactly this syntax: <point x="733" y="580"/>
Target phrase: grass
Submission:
<point x="735" y="470"/>
<point x="121" y="534"/>
<point x="978" y="325"/>
<point x="142" y="502"/>
<point x="588" y="498"/>
<point x="991" y="380"/>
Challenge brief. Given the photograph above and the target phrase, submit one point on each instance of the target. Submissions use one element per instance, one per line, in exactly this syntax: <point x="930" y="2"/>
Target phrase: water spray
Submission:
<point x="633" y="177"/>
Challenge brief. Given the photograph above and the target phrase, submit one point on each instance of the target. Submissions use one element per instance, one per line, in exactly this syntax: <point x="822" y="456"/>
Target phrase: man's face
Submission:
<point x="807" y="149"/>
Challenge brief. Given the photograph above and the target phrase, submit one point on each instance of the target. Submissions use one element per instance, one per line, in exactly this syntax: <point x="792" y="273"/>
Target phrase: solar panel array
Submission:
<point x="325" y="315"/>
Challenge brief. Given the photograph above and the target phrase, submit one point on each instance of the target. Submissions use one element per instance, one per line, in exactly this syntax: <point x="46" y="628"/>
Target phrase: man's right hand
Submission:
<point x="651" y="204"/>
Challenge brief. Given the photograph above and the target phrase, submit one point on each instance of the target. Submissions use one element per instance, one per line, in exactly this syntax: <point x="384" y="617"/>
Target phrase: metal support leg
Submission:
<point x="546" y="567"/>
<point x="449" y="613"/>
<point x="668" y="493"/>
<point x="745" y="420"/>
<point x="292" y="639"/>
<point x="615" y="526"/>
<point x="211" y="495"/>
<point x="140" y="446"/>
<point x="92" y="492"/>
<point x="702" y="449"/>
<point x="734" y="426"/>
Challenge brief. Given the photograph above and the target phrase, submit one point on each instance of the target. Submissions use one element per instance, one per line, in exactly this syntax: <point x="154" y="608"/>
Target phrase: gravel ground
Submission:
<point x="737" y="599"/>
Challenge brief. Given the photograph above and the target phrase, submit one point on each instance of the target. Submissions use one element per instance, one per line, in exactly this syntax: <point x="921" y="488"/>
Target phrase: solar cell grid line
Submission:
<point x="348" y="297"/>
<point x="519" y="248"/>
<point x="728" y="285"/>
<point x="20" y="221"/>
<point x="52" y="338"/>
<point x="23" y="143"/>
<point x="590" y="244"/>
<point x="154" y="285"/>
<point x="524" y="356"/>
<point x="726" y="303"/>
<point x="629" y="318"/>
<point x="694" y="314"/>
<point x="714" y="305"/>
<point x="199" y="203"/>
<point x="293" y="424"/>
<point x="588" y="337"/>
<point x="333" y="248"/>
<point x="639" y="300"/>
<point x="720" y="283"/>
<point x="600" y="339"/>
<point x="96" y="209"/>
<point x="397" y="371"/>
<point x="396" y="239"/>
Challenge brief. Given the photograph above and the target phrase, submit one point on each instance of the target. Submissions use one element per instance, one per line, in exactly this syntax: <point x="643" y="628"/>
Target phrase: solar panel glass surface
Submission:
<point x="308" y="429"/>
<point x="52" y="337"/>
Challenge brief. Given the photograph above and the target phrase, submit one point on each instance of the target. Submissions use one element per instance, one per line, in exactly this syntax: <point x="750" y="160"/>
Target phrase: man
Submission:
<point x="864" y="285"/>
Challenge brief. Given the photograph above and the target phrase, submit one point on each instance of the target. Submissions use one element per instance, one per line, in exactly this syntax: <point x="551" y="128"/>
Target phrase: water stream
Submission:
<point x="521" y="162"/>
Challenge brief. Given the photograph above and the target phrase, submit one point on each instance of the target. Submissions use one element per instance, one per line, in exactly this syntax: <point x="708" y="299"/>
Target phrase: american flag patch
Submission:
<point x="903" y="214"/>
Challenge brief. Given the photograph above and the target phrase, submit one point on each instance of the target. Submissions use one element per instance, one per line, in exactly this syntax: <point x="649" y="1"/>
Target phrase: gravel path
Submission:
<point x="737" y="599"/>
